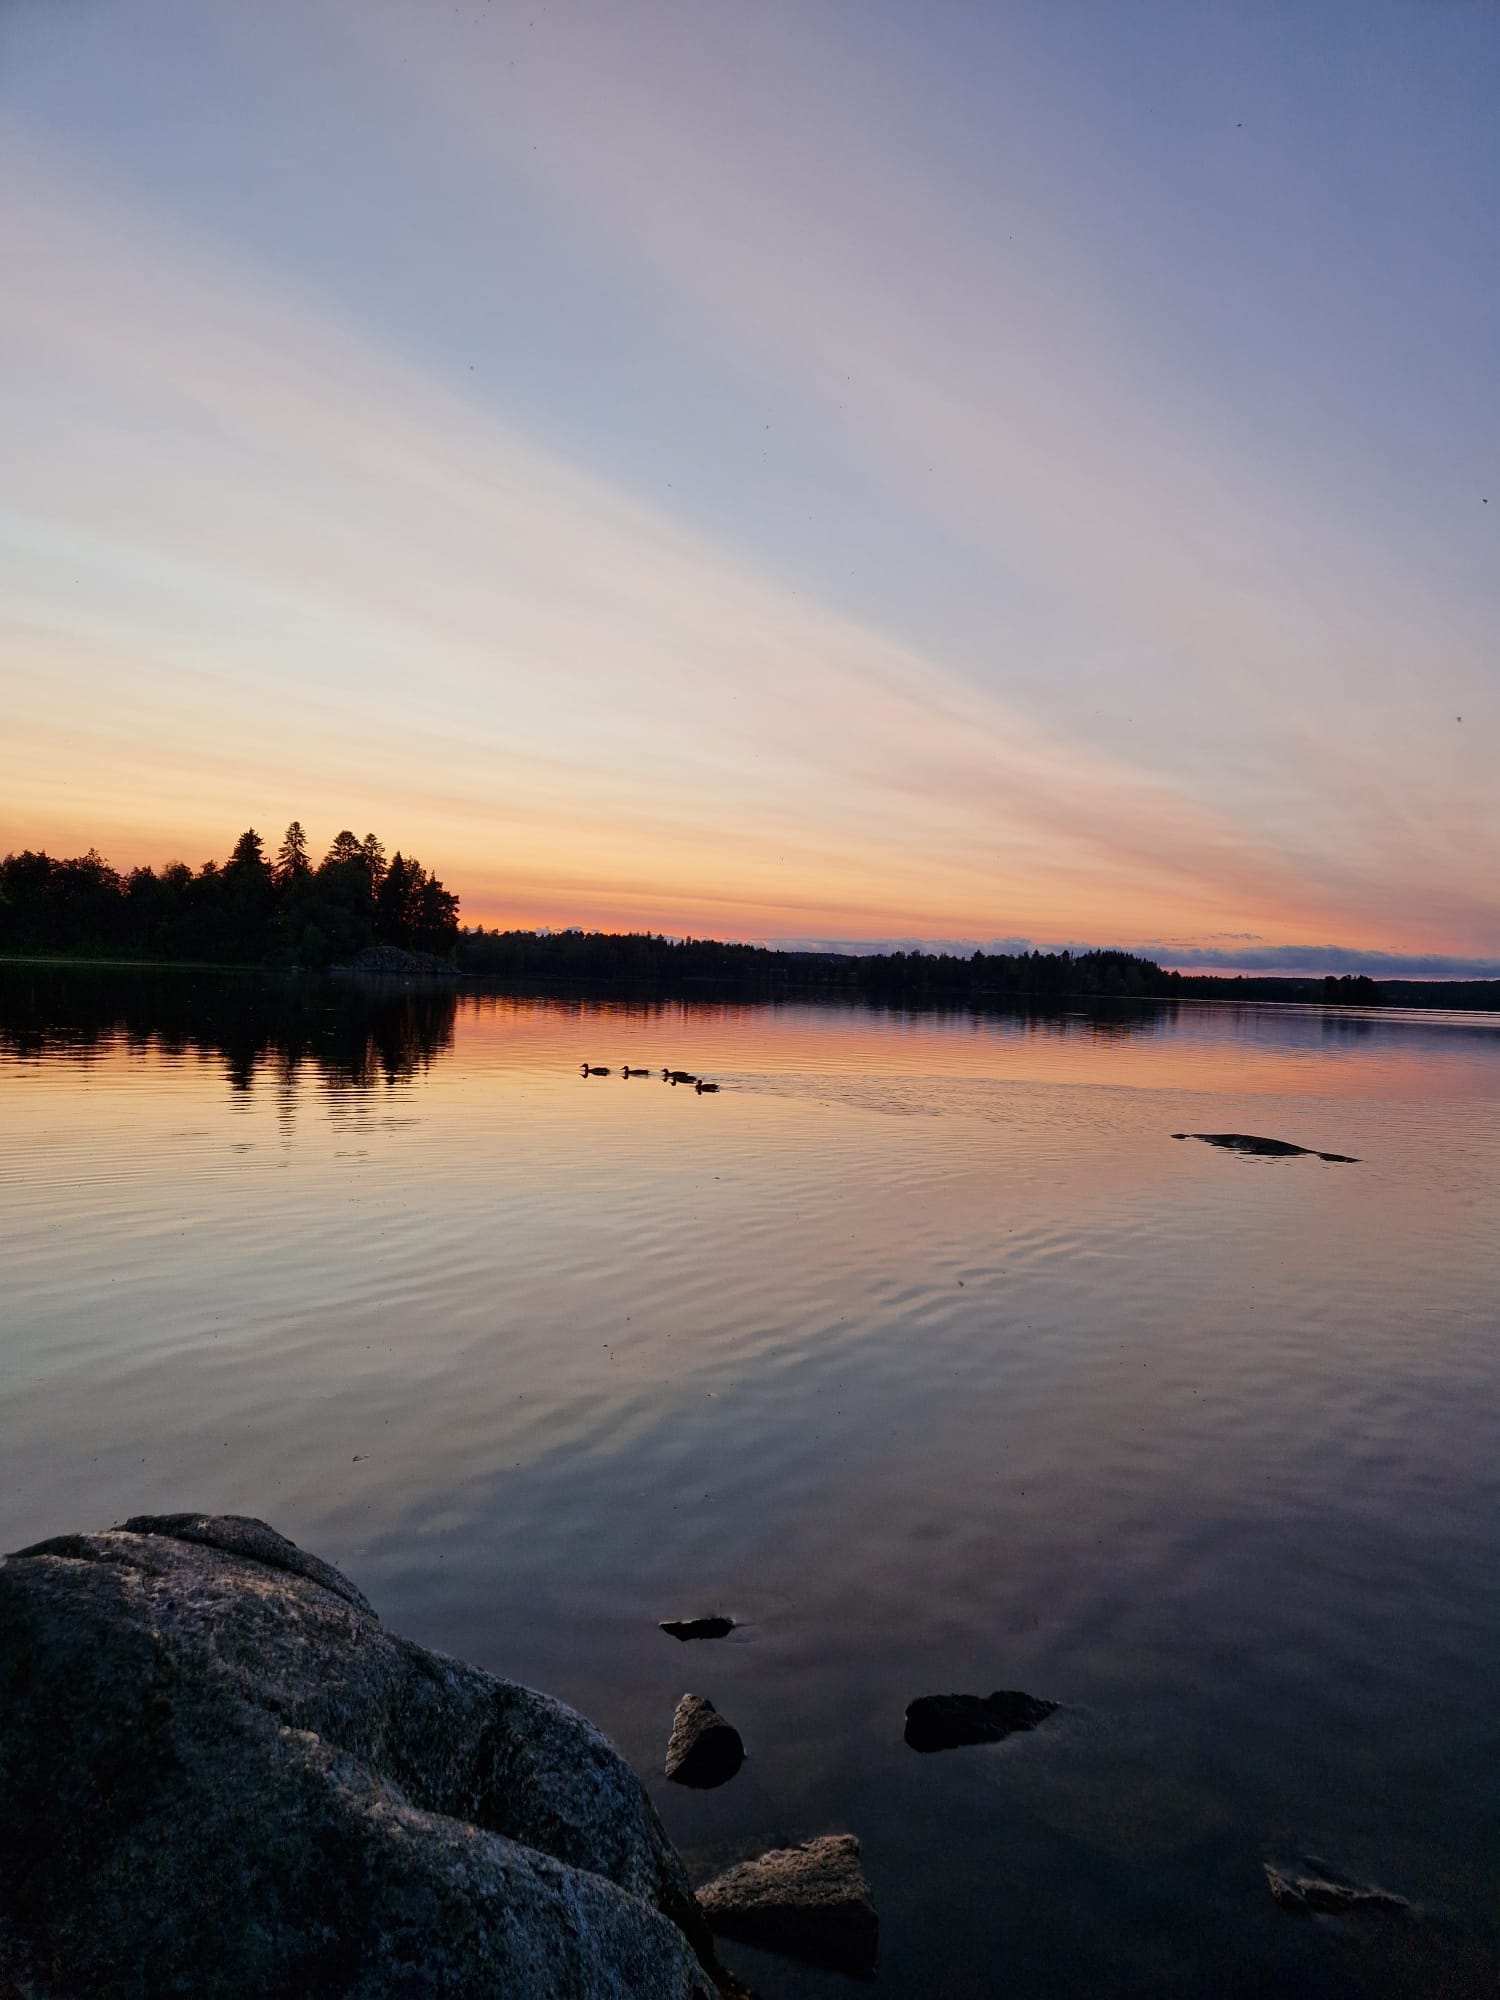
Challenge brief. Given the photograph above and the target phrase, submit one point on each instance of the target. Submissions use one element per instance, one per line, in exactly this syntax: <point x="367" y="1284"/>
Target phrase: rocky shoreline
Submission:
<point x="220" y="1775"/>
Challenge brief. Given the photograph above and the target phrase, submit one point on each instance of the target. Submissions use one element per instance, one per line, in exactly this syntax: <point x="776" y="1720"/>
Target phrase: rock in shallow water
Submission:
<point x="946" y="1721"/>
<point x="703" y="1750"/>
<point x="698" y="1628"/>
<point x="810" y="1902"/>
<point x="1313" y="1892"/>
<point x="1267" y="1149"/>
<point x="219" y="1775"/>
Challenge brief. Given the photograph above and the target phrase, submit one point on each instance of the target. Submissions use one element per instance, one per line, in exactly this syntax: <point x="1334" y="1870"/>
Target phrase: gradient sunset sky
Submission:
<point x="826" y="471"/>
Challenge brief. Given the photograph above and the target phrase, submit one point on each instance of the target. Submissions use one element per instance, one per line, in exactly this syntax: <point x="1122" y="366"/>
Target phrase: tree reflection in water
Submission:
<point x="353" y="1034"/>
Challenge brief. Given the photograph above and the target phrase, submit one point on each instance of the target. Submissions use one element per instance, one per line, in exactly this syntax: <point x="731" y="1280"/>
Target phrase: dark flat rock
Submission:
<point x="1314" y="1892"/>
<point x="698" y="1628"/>
<point x="703" y="1750"/>
<point x="946" y="1721"/>
<point x="810" y="1902"/>
<point x="1266" y="1149"/>
<point x="220" y="1775"/>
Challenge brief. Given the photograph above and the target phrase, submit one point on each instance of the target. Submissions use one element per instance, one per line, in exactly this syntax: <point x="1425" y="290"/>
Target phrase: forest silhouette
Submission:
<point x="290" y="912"/>
<point x="247" y="910"/>
<point x="293" y="913"/>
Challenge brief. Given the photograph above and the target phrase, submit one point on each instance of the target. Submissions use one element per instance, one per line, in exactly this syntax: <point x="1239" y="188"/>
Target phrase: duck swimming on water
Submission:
<point x="593" y="1069"/>
<point x="626" y="1070"/>
<point x="700" y="1085"/>
<point x="678" y="1076"/>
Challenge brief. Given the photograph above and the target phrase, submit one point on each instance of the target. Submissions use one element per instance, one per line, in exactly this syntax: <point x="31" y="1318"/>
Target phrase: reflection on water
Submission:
<point x="920" y="1349"/>
<point x="351" y="1033"/>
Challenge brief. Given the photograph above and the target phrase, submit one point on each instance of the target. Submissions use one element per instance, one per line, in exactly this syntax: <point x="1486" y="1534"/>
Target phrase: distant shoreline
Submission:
<point x="773" y="976"/>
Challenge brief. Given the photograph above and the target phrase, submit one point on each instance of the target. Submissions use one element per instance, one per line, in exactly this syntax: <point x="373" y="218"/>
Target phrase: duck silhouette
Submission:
<point x="678" y="1076"/>
<point x="700" y="1085"/>
<point x="626" y="1070"/>
<point x="593" y="1069"/>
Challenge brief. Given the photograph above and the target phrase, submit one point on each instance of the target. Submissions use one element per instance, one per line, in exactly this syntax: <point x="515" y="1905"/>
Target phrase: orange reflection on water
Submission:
<point x="1265" y="1050"/>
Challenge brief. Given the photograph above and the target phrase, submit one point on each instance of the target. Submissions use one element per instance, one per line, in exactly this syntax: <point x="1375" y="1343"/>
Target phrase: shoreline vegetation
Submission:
<point x="247" y="911"/>
<point x="358" y="911"/>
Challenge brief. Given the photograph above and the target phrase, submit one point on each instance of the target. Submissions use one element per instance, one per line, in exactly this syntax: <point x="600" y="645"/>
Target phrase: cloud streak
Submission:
<point x="1059" y="649"/>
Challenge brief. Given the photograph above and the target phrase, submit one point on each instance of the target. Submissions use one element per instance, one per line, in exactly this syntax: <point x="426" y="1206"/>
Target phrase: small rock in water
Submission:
<point x="698" y="1628"/>
<point x="945" y="1721"/>
<point x="1313" y="1892"/>
<point x="703" y="1750"/>
<point x="1268" y="1149"/>
<point x="810" y="1902"/>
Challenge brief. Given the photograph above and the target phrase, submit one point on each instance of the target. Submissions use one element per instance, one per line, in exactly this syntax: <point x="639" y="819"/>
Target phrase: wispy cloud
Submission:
<point x="497" y="615"/>
<point x="1059" y="649"/>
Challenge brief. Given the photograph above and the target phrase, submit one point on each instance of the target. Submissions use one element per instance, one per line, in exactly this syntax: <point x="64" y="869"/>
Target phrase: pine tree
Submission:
<point x="292" y="860"/>
<point x="394" y="912"/>
<point x="345" y="848"/>
<point x="437" y="916"/>
<point x="249" y="856"/>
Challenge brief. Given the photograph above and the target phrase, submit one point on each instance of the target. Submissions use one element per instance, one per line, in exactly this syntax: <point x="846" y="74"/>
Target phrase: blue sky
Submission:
<point x="816" y="471"/>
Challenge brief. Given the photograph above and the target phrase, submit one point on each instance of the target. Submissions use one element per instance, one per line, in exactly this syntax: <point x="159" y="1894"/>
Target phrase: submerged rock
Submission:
<point x="703" y="1750"/>
<point x="219" y="1775"/>
<point x="713" y="1627"/>
<point x="1314" y="1892"/>
<point x="945" y="1721"/>
<point x="1270" y="1149"/>
<point x="810" y="1902"/>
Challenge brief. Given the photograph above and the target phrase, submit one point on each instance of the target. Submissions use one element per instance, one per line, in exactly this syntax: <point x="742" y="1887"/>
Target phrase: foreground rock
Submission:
<point x="703" y="1750"/>
<point x="1269" y="1149"/>
<point x="946" y="1721"/>
<point x="698" y="1628"/>
<point x="219" y="1775"/>
<point x="1313" y="1892"/>
<point x="810" y="1902"/>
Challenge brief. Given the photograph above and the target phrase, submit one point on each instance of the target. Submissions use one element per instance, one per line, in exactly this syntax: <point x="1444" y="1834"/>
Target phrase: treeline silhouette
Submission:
<point x="643" y="963"/>
<point x="258" y="1028"/>
<point x="1349" y="989"/>
<point x="248" y="910"/>
<point x="639" y="962"/>
<point x="293" y="912"/>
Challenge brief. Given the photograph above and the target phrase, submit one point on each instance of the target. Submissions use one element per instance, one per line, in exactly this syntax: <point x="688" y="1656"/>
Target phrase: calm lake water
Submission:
<point x="922" y="1348"/>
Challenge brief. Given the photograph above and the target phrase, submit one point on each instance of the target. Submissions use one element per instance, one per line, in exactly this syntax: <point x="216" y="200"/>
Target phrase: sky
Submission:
<point x="829" y="471"/>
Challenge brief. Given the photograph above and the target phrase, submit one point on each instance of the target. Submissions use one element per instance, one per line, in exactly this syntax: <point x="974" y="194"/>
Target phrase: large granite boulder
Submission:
<point x="220" y="1775"/>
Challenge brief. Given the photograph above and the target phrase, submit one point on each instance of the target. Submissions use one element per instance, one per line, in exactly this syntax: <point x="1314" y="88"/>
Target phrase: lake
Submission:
<point x="922" y="1348"/>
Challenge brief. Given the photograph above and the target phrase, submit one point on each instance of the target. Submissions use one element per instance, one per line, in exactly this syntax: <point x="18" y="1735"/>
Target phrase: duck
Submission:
<point x="700" y="1085"/>
<point x="593" y="1069"/>
<point x="677" y="1076"/>
<point x="626" y="1070"/>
